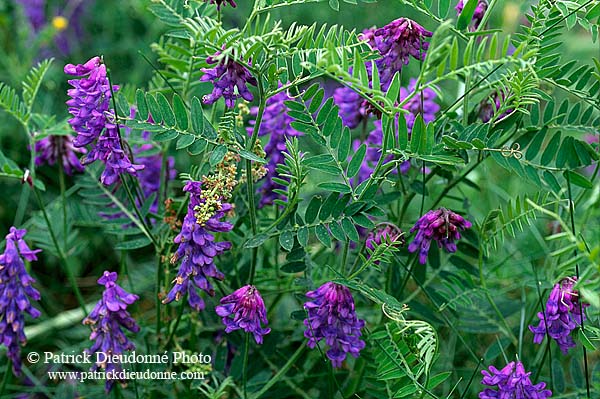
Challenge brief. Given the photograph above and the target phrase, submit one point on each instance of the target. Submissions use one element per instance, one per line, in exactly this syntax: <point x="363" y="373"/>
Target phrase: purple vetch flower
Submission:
<point x="51" y="148"/>
<point x="331" y="316"/>
<point x="422" y="103"/>
<point x="35" y="12"/>
<point x="396" y="42"/>
<point x="385" y="232"/>
<point x="107" y="320"/>
<point x="229" y="80"/>
<point x="489" y="107"/>
<point x="89" y="100"/>
<point x="197" y="250"/>
<point x="482" y="6"/>
<point x="352" y="106"/>
<point x="563" y="314"/>
<point x="16" y="294"/>
<point x="248" y="310"/>
<point x="511" y="382"/>
<point x="441" y="225"/>
<point x="221" y="3"/>
<point x="276" y="123"/>
<point x="108" y="150"/>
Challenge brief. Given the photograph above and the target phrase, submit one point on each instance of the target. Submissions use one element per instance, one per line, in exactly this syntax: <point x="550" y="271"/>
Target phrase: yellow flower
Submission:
<point x="60" y="23"/>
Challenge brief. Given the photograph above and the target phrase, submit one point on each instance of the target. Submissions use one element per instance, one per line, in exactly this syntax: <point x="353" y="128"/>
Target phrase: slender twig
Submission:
<point x="581" y="310"/>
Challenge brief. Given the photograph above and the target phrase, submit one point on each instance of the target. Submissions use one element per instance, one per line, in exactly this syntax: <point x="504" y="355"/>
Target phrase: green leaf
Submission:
<point x="325" y="111"/>
<point x="328" y="206"/>
<point x="32" y="82"/>
<point x="467" y="14"/>
<point x="251" y="156"/>
<point x="551" y="150"/>
<point x="198" y="146"/>
<point x="551" y="181"/>
<point x="166" y="135"/>
<point x="350" y="230"/>
<point x="303" y="236"/>
<point x="418" y="136"/>
<point x="185" y="141"/>
<point x="357" y="161"/>
<point x="363" y="221"/>
<point x="217" y="154"/>
<point x="323" y="235"/>
<point x="334" y="4"/>
<point x="154" y="109"/>
<point x="578" y="179"/>
<point x="312" y="210"/>
<point x="534" y="148"/>
<point x="133" y="244"/>
<point x="394" y="89"/>
<point x="310" y="91"/>
<point x="293" y="267"/>
<point x="402" y="132"/>
<point x="142" y="106"/>
<point x="165" y="110"/>
<point x="180" y="112"/>
<point x="256" y="241"/>
<point x="338" y="187"/>
<point x="336" y="231"/>
<point x="197" y="116"/>
<point x="345" y="143"/>
<point x="286" y="240"/>
<point x="315" y="103"/>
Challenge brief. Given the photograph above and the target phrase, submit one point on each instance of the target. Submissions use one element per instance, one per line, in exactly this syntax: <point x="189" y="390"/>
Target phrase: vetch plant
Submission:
<point x="340" y="208"/>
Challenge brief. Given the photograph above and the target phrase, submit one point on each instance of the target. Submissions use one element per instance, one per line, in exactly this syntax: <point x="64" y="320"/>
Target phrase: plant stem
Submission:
<point x="245" y="365"/>
<point x="581" y="310"/>
<point x="7" y="373"/>
<point x="61" y="181"/>
<point x="60" y="252"/>
<point x="249" y="179"/>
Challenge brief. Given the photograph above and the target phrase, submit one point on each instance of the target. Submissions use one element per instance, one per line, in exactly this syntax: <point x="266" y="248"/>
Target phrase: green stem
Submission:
<point x="249" y="179"/>
<point x="179" y="314"/>
<point x="581" y="310"/>
<point x="245" y="365"/>
<point x="59" y="250"/>
<point x="61" y="181"/>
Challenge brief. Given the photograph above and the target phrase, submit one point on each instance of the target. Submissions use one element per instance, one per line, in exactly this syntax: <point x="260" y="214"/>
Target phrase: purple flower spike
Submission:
<point x="229" y="80"/>
<point x="197" y="250"/>
<point x="16" y="293"/>
<point x="511" y="382"/>
<point x="385" y="233"/>
<point x="108" y="150"/>
<point x="276" y="124"/>
<point x="396" y="42"/>
<point x="34" y="10"/>
<point x="331" y="316"/>
<point x="563" y="315"/>
<point x="248" y="310"/>
<point x="482" y="6"/>
<point x="89" y="100"/>
<point x="52" y="148"/>
<point x="441" y="225"/>
<point x="107" y="319"/>
<point x="352" y="106"/>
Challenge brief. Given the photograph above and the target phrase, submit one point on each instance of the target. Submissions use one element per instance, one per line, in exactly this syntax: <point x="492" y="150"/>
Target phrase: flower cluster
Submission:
<point x="50" y="149"/>
<point x="331" y="316"/>
<point x="511" y="382"/>
<point x="107" y="319"/>
<point x="16" y="294"/>
<point x="276" y="124"/>
<point x="482" y="6"/>
<point x="229" y="81"/>
<point x="386" y="232"/>
<point x="441" y="225"/>
<point x="248" y="310"/>
<point x="89" y="106"/>
<point x="489" y="107"/>
<point x="563" y="314"/>
<point x="352" y="107"/>
<point x="197" y="249"/>
<point x="397" y="42"/>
